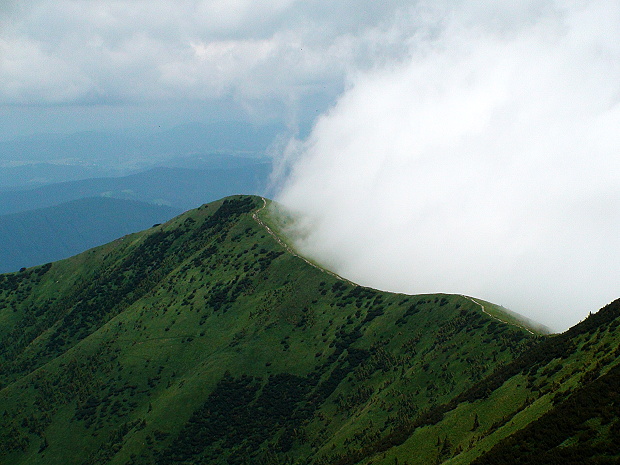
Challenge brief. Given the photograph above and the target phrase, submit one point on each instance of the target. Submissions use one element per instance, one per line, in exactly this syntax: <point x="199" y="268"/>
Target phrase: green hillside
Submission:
<point x="555" y="403"/>
<point x="207" y="340"/>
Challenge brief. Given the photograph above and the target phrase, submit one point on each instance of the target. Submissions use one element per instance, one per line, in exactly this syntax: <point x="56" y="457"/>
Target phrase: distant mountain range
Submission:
<point x="182" y="188"/>
<point x="209" y="340"/>
<point x="49" y="234"/>
<point x="56" y="221"/>
<point x="47" y="158"/>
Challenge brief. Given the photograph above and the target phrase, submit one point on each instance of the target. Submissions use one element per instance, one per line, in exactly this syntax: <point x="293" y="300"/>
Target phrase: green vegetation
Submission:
<point x="206" y="340"/>
<point x="555" y="403"/>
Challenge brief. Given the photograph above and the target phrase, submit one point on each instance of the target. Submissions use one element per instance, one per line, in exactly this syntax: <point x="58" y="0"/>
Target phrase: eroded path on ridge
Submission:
<point x="288" y="248"/>
<point x="292" y="252"/>
<point x="494" y="317"/>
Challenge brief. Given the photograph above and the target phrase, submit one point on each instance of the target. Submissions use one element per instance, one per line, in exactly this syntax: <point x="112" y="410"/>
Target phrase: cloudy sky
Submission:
<point x="70" y="64"/>
<point x="456" y="146"/>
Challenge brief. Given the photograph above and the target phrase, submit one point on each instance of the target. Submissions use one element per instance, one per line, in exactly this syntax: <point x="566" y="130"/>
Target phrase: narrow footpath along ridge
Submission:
<point x="496" y="318"/>
<point x="289" y="249"/>
<point x="256" y="217"/>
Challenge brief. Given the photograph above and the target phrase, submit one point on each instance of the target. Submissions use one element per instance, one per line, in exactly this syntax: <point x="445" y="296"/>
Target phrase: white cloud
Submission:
<point x="484" y="164"/>
<point x="22" y="64"/>
<point x="133" y="51"/>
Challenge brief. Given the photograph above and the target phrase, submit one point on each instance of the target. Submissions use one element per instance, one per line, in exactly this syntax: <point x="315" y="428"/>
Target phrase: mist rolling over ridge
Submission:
<point x="466" y="147"/>
<point x="483" y="163"/>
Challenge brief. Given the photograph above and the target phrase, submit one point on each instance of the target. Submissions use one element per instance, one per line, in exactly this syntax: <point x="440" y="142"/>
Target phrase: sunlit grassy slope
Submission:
<point x="207" y="341"/>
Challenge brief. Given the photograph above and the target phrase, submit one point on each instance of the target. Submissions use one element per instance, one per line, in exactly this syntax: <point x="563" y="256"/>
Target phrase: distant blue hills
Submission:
<point x="59" y="220"/>
<point x="49" y="234"/>
<point x="60" y="195"/>
<point x="181" y="188"/>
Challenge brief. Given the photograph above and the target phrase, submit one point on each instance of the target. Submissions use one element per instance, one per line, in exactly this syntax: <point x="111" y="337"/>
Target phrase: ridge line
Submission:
<point x="289" y="249"/>
<point x="497" y="318"/>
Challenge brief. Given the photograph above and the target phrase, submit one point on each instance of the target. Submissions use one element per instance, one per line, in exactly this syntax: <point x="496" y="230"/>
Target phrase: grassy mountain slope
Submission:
<point x="206" y="340"/>
<point x="575" y="379"/>
<point x="556" y="403"/>
<point x="49" y="234"/>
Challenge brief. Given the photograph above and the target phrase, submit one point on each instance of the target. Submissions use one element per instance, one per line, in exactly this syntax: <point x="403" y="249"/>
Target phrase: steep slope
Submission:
<point x="49" y="234"/>
<point x="556" y="403"/>
<point x="576" y="378"/>
<point x="205" y="340"/>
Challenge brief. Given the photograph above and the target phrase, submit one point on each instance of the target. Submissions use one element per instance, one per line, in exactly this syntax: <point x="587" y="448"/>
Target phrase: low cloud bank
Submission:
<point x="484" y="163"/>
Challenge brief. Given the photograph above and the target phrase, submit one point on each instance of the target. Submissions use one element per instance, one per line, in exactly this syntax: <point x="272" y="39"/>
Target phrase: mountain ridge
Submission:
<point x="262" y="358"/>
